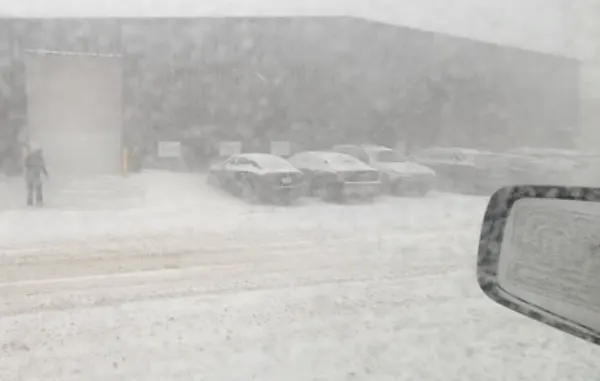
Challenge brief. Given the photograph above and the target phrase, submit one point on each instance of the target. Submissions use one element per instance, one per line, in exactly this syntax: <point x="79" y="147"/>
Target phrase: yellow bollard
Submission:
<point x="125" y="161"/>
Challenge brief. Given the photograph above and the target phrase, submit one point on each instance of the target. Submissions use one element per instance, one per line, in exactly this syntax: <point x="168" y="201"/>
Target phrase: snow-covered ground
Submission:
<point x="157" y="277"/>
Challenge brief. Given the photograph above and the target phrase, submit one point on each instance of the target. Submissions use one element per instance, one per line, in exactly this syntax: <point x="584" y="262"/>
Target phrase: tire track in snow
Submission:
<point x="155" y="242"/>
<point x="300" y="264"/>
<point x="187" y="254"/>
<point x="76" y="295"/>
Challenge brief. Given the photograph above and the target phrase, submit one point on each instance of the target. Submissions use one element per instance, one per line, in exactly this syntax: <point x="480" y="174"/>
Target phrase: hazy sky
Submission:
<point x="566" y="27"/>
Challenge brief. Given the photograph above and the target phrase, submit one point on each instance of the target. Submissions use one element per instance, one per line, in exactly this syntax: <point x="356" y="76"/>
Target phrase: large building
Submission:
<point x="314" y="81"/>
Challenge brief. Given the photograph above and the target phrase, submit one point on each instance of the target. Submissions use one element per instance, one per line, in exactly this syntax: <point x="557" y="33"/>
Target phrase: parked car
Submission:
<point x="398" y="174"/>
<point x="258" y="177"/>
<point x="336" y="176"/>
<point x="494" y="170"/>
<point x="552" y="165"/>
<point x="454" y="166"/>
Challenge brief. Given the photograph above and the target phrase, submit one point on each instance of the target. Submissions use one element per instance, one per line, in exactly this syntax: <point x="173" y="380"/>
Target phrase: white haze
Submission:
<point x="562" y="27"/>
<point x="159" y="274"/>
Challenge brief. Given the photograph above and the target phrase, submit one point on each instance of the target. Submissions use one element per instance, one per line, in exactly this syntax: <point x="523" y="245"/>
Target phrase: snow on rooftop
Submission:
<point x="268" y="161"/>
<point x="67" y="53"/>
<point x="335" y="157"/>
<point x="562" y="27"/>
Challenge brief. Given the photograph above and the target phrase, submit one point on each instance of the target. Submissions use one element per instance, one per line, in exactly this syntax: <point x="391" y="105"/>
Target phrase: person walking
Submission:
<point x="35" y="167"/>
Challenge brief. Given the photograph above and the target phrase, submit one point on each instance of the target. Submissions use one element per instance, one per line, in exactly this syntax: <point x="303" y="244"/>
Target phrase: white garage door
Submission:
<point x="74" y="112"/>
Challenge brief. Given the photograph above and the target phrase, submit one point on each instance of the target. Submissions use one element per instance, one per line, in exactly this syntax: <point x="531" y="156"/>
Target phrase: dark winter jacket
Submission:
<point x="35" y="166"/>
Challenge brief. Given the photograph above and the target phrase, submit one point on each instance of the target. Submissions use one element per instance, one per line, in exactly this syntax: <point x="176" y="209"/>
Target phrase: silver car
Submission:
<point x="336" y="176"/>
<point x="399" y="174"/>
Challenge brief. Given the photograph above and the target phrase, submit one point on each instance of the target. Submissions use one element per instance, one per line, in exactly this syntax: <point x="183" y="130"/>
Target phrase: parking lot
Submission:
<point x="137" y="285"/>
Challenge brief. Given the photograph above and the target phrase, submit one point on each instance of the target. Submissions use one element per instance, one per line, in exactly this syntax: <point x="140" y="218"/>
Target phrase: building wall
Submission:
<point x="318" y="81"/>
<point x="9" y="151"/>
<point x="345" y="78"/>
<point x="5" y="81"/>
<point x="547" y="26"/>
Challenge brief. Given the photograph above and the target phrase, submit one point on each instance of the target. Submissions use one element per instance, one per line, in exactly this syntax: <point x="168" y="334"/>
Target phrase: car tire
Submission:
<point x="335" y="193"/>
<point x="399" y="189"/>
<point x="320" y="192"/>
<point x="248" y="191"/>
<point x="288" y="200"/>
<point x="386" y="184"/>
<point x="311" y="188"/>
<point x="315" y="185"/>
<point x="450" y="185"/>
<point x="370" y="198"/>
<point x="213" y="180"/>
<point x="423" y="190"/>
<point x="330" y="192"/>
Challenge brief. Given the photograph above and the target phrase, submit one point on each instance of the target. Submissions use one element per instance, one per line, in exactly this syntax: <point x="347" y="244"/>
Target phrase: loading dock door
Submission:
<point x="74" y="112"/>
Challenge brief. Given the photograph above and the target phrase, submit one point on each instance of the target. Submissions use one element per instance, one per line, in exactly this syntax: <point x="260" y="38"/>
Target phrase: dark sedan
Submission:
<point x="334" y="176"/>
<point x="258" y="177"/>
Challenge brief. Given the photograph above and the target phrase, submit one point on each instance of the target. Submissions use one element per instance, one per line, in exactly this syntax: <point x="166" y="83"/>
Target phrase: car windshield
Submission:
<point x="390" y="156"/>
<point x="270" y="162"/>
<point x="132" y="249"/>
<point x="340" y="159"/>
<point x="565" y="157"/>
<point x="459" y="156"/>
<point x="543" y="152"/>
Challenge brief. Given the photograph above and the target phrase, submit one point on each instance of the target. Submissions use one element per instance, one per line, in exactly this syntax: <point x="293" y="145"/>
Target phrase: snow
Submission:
<point x="268" y="161"/>
<point x="179" y="281"/>
<point x="328" y="160"/>
<point x="558" y="27"/>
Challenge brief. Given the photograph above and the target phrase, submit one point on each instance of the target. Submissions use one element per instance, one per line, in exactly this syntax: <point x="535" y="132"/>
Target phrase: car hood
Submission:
<point x="261" y="171"/>
<point x="346" y="167"/>
<point x="565" y="164"/>
<point x="406" y="167"/>
<point x="553" y="163"/>
<point x="277" y="171"/>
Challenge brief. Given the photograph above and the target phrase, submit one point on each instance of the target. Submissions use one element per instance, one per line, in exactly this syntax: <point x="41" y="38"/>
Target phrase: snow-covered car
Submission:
<point x="555" y="165"/>
<point x="494" y="170"/>
<point x="454" y="166"/>
<point x="336" y="176"/>
<point x="258" y="176"/>
<point x="398" y="174"/>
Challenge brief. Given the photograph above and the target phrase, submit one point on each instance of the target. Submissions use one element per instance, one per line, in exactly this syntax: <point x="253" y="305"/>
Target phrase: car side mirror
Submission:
<point x="539" y="255"/>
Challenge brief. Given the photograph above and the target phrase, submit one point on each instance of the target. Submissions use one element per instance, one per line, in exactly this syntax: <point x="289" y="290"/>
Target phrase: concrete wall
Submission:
<point x="568" y="28"/>
<point x="345" y="74"/>
<point x="549" y="26"/>
<point x="358" y="79"/>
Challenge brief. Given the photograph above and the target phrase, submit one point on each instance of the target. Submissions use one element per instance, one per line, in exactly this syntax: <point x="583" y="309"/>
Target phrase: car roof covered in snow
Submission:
<point x="333" y="156"/>
<point x="376" y="149"/>
<point x="366" y="147"/>
<point x="338" y="159"/>
<point x="471" y="151"/>
<point x="267" y="161"/>
<point x="70" y="53"/>
<point x="549" y="151"/>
